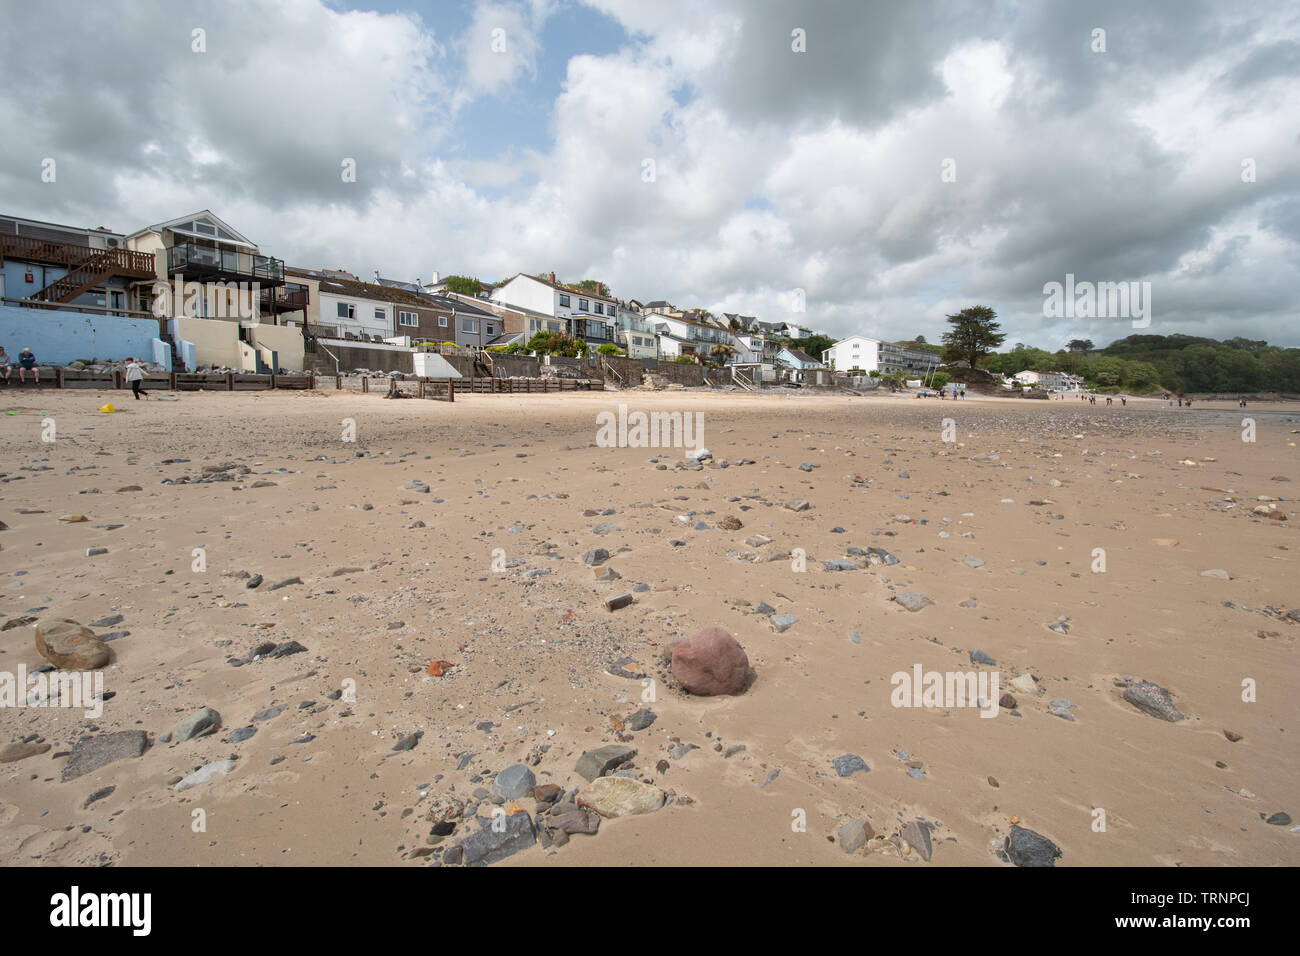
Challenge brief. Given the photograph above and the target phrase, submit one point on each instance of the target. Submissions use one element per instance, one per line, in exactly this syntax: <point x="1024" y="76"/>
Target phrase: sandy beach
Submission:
<point x="1100" y="521"/>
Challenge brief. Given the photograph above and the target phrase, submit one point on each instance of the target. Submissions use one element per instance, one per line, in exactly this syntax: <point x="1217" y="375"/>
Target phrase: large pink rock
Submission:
<point x="710" y="662"/>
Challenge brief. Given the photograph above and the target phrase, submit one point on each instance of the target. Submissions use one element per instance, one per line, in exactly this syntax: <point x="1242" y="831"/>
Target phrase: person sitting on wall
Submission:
<point x="27" y="363"/>
<point x="4" y="364"/>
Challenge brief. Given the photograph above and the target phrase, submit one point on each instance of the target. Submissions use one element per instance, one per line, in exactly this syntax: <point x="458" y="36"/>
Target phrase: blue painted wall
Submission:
<point x="58" y="337"/>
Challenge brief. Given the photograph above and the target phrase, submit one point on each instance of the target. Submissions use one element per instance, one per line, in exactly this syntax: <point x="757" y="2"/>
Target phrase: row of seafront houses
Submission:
<point x="194" y="292"/>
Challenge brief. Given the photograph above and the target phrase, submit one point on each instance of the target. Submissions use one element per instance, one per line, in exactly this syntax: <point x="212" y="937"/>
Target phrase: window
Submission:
<point x="564" y="301"/>
<point x="582" y="305"/>
<point x="491" y="330"/>
<point x="347" y="310"/>
<point x="381" y="315"/>
<point x="599" y="308"/>
<point x="205" y="228"/>
<point x="468" y="325"/>
<point x="408" y="318"/>
<point x="442" y="321"/>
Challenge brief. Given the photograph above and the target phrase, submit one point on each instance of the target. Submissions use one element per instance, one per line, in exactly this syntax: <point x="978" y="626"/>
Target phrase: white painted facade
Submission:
<point x="857" y="351"/>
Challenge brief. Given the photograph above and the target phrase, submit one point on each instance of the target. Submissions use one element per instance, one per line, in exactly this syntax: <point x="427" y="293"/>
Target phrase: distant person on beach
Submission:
<point x="1108" y="399"/>
<point x="1180" y="402"/>
<point x="1123" y="400"/>
<point x="135" y="375"/>
<point x="1242" y="403"/>
<point x="27" y="363"/>
<point x="4" y="364"/>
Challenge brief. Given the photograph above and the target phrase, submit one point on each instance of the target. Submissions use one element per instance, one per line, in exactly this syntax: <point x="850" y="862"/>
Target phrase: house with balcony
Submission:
<point x="854" y="352"/>
<point x="909" y="359"/>
<point x="58" y="265"/>
<point x="635" y="332"/>
<point x="691" y="335"/>
<point x="587" y="315"/>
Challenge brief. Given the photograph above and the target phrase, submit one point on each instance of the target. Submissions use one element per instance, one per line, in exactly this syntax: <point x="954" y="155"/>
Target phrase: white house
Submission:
<point x="857" y="351"/>
<point x="589" y="316"/>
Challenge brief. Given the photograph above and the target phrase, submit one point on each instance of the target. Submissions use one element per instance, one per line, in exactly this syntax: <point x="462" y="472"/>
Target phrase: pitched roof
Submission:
<point x="800" y="355"/>
<point x="231" y="235"/>
<point x="567" y="289"/>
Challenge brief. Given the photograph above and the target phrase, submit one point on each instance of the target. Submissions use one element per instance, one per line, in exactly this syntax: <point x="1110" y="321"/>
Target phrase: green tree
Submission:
<point x="594" y="286"/>
<point x="813" y="345"/>
<point x="1080" y="345"/>
<point x="556" y="343"/>
<point x="464" y="285"/>
<point x="975" y="333"/>
<point x="609" y="348"/>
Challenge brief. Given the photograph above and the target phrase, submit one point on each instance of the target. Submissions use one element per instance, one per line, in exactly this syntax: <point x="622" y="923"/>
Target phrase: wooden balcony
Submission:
<point x="125" y="263"/>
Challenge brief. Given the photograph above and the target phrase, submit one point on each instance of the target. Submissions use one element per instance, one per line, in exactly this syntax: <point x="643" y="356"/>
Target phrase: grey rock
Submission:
<point x="198" y="724"/>
<point x="881" y="556"/>
<point x="912" y="600"/>
<point x="1027" y="848"/>
<point x="91" y="753"/>
<point x="1154" y="700"/>
<point x="854" y="835"/>
<point x="973" y="562"/>
<point x="99" y="794"/>
<point x="1060" y="707"/>
<point x="206" y="773"/>
<point x="268" y="713"/>
<point x="574" y="821"/>
<point x="595" y="556"/>
<point x="979" y="657"/>
<point x="916" y="833"/>
<point x="782" y="622"/>
<point x="514" y="782"/>
<point x="598" y="762"/>
<point x="640" y="720"/>
<point x="849" y="764"/>
<point x="240" y="735"/>
<point x="489" y="845"/>
<point x="841" y="566"/>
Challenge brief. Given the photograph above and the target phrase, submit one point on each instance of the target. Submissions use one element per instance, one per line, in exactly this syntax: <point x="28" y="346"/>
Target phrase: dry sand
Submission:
<point x="1167" y="493"/>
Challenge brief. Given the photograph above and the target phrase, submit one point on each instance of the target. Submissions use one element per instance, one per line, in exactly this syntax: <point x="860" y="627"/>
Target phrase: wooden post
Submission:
<point x="338" y="383"/>
<point x="451" y="389"/>
<point x="421" y="388"/>
<point x="230" y="381"/>
<point x="171" y="381"/>
<point x="273" y="374"/>
<point x="58" y="377"/>
<point x="365" y="385"/>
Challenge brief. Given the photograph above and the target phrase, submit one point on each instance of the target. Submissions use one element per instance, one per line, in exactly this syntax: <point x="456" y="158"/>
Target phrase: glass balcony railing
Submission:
<point x="199" y="261"/>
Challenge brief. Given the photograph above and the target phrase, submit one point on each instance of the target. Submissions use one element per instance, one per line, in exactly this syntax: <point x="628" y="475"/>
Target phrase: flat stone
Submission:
<point x="501" y="839"/>
<point x="912" y="600"/>
<point x="616" y="601"/>
<point x="206" y="773"/>
<point x="595" y="556"/>
<point x="1154" y="700"/>
<point x="838" y="565"/>
<point x="20" y="751"/>
<point x="620" y="797"/>
<point x="596" y="763"/>
<point x="916" y="833"/>
<point x="1025" y="683"/>
<point x="854" y="835"/>
<point x="782" y="622"/>
<point x="979" y="657"/>
<point x="973" y="562"/>
<point x="91" y="753"/>
<point x="640" y="720"/>
<point x="575" y="821"/>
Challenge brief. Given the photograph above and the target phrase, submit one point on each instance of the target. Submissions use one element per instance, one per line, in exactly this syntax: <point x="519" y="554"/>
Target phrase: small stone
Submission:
<point x="99" y="794"/>
<point x="854" y="835"/>
<point x="850" y="764"/>
<point x="596" y="763"/>
<point x="617" y="601"/>
<point x="1279" y="819"/>
<point x="595" y="556"/>
<point x="493" y="844"/>
<point x="199" y="724"/>
<point x="916" y="834"/>
<point x="782" y="622"/>
<point x="21" y="751"/>
<point x="640" y="720"/>
<point x="979" y="657"/>
<point x="912" y="600"/>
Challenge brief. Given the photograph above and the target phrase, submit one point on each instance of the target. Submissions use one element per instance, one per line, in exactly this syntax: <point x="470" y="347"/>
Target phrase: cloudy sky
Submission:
<point x="895" y="161"/>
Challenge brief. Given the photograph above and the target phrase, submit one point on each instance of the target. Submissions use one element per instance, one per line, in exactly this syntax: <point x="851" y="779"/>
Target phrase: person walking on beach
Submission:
<point x="135" y="375"/>
<point x="27" y="363"/>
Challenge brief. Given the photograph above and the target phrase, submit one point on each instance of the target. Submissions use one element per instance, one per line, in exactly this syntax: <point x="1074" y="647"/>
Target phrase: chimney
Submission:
<point x="376" y="277"/>
<point x="552" y="276"/>
<point x="434" y="280"/>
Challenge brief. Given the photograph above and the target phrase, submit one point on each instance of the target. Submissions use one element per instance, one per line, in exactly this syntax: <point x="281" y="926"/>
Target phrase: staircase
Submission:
<point x="743" y="379"/>
<point x="88" y="268"/>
